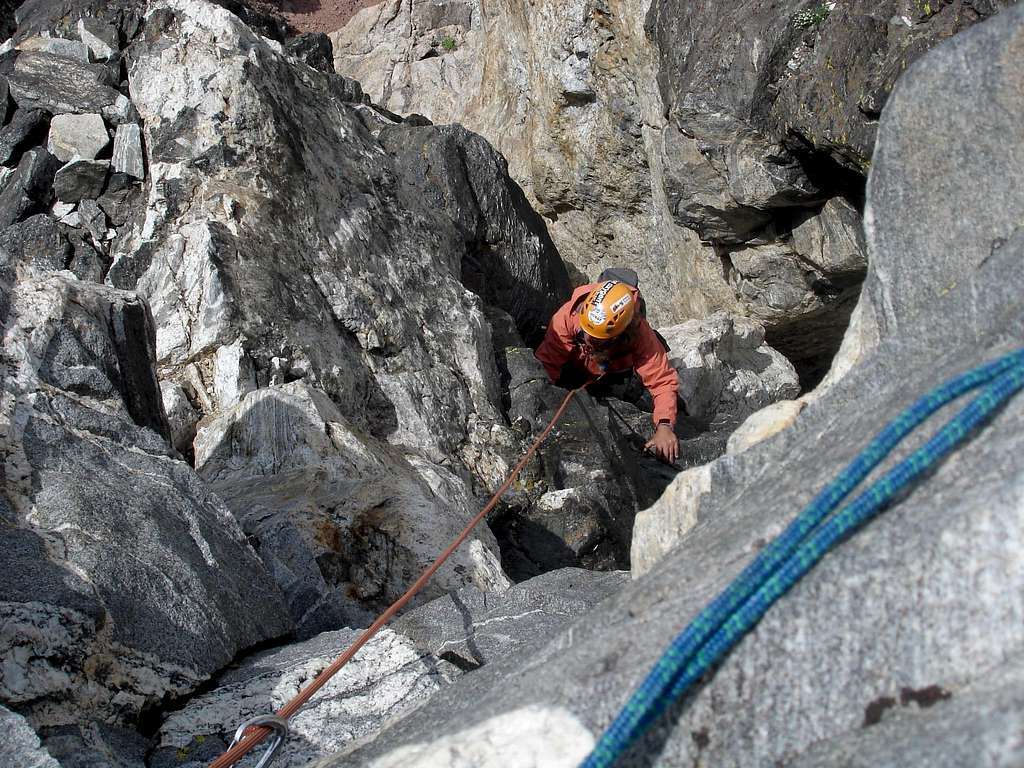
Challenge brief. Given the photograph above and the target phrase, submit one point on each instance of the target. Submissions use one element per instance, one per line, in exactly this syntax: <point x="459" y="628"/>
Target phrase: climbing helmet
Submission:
<point x="608" y="310"/>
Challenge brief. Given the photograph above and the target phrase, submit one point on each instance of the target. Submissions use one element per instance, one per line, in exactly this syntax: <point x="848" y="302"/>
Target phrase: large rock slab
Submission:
<point x="923" y="606"/>
<point x="470" y="628"/>
<point x="126" y="579"/>
<point x="956" y="244"/>
<point x="388" y="675"/>
<point x="69" y="49"/>
<point x="128" y="157"/>
<point x="401" y="667"/>
<point x="343" y="523"/>
<point x="510" y="261"/>
<point x="58" y="85"/>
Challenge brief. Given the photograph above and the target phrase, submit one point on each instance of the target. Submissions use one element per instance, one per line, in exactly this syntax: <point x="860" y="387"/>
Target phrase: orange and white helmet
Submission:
<point x="608" y="310"/>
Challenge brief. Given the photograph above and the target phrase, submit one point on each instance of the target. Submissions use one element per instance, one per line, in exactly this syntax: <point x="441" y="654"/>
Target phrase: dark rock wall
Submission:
<point x="773" y="110"/>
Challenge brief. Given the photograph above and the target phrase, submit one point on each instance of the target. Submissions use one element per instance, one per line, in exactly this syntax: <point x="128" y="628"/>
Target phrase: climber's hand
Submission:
<point x="664" y="444"/>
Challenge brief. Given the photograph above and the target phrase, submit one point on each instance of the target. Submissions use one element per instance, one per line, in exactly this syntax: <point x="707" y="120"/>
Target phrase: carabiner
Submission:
<point x="277" y="724"/>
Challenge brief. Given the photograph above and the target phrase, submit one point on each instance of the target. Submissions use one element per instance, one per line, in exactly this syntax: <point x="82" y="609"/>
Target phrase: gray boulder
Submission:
<point x="36" y="241"/>
<point x="26" y="128"/>
<point x="902" y="628"/>
<point x="29" y="188"/>
<point x="128" y="157"/>
<point x="77" y="136"/>
<point x="126" y="579"/>
<point x="726" y="371"/>
<point x="80" y="180"/>
<point x="954" y="238"/>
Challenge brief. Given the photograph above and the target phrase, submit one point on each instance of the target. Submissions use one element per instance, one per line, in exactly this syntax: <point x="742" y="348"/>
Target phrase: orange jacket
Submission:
<point x="641" y="351"/>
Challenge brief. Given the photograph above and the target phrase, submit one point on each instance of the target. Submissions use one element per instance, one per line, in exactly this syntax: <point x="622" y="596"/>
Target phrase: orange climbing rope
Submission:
<point x="256" y="734"/>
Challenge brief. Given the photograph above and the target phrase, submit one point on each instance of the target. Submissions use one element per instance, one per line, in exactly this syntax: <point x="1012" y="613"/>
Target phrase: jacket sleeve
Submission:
<point x="556" y="348"/>
<point x="651" y="363"/>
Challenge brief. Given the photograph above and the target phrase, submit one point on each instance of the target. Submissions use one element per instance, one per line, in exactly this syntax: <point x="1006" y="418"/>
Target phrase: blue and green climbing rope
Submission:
<point x="723" y="623"/>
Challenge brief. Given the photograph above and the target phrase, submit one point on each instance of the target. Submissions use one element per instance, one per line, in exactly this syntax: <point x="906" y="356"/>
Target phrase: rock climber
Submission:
<point x="602" y="330"/>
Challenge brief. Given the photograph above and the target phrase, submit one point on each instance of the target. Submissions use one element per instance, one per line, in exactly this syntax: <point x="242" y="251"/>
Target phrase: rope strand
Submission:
<point x="723" y="622"/>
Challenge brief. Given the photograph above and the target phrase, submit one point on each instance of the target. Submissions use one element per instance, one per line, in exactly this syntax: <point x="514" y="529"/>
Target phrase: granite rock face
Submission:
<point x="389" y="675"/>
<point x="368" y="263"/>
<point x="895" y="635"/>
<point x="125" y="576"/>
<point x="20" y="745"/>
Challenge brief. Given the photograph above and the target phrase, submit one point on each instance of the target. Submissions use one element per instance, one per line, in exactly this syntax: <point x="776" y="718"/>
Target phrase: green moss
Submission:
<point x="449" y="44"/>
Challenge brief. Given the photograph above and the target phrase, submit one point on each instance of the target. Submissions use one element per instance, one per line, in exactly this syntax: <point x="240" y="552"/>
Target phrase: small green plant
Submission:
<point x="812" y="17"/>
<point x="449" y="44"/>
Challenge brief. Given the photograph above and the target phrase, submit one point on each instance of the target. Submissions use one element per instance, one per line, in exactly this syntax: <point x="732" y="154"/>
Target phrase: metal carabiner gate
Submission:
<point x="277" y="724"/>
